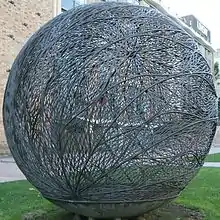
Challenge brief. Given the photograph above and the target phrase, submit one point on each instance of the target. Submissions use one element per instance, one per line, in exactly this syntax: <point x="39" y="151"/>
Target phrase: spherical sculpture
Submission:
<point x="110" y="110"/>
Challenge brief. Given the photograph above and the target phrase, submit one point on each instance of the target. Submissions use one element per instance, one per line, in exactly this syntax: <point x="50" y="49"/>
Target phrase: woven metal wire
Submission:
<point x="110" y="110"/>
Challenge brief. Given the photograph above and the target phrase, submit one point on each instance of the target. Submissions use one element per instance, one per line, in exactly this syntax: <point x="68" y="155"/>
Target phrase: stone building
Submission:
<point x="19" y="19"/>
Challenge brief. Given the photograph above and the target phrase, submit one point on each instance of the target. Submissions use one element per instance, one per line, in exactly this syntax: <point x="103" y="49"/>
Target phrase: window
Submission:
<point x="79" y="2"/>
<point x="68" y="4"/>
<point x="202" y="28"/>
<point x="135" y="2"/>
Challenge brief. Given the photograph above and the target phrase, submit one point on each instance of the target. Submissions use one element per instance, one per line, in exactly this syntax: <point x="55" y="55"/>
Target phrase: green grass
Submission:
<point x="18" y="198"/>
<point x="213" y="158"/>
<point x="203" y="193"/>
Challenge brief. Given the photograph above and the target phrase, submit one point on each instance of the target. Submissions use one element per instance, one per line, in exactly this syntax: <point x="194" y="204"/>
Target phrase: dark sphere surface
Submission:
<point x="110" y="110"/>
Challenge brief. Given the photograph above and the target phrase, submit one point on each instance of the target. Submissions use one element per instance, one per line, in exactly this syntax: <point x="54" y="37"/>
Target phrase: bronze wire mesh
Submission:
<point x="110" y="109"/>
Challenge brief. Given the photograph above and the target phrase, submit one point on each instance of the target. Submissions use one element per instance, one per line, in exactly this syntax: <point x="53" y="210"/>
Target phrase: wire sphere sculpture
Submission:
<point x="110" y="110"/>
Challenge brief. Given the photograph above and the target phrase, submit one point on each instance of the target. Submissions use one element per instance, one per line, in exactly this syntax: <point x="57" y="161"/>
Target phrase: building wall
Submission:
<point x="217" y="53"/>
<point x="217" y="81"/>
<point x="209" y="56"/>
<point x="18" y="20"/>
<point x="205" y="33"/>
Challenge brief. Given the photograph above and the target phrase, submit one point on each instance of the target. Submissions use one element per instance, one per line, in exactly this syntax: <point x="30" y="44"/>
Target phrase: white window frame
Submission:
<point x="56" y="7"/>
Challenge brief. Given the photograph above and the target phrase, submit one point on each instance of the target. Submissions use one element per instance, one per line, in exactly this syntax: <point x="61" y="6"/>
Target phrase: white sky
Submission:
<point x="207" y="11"/>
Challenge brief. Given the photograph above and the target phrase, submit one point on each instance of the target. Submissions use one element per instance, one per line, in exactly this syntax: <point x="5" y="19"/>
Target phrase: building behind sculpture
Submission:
<point x="217" y="56"/>
<point x="217" y="81"/>
<point x="196" y="25"/>
<point x="193" y="26"/>
<point x="205" y="33"/>
<point x="18" y="19"/>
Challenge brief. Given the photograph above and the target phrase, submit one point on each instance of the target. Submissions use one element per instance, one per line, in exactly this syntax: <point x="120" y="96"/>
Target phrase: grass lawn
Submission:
<point x="19" y="197"/>
<point x="213" y="158"/>
<point x="204" y="193"/>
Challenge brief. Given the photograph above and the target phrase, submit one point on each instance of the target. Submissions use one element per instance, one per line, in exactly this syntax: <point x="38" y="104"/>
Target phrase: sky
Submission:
<point x="207" y="11"/>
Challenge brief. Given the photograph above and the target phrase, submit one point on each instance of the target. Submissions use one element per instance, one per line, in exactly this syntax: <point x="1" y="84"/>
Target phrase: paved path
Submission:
<point x="215" y="149"/>
<point x="212" y="164"/>
<point x="216" y="140"/>
<point x="10" y="172"/>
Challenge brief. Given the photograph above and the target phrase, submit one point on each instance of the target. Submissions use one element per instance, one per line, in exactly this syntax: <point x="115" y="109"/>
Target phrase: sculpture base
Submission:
<point x="111" y="209"/>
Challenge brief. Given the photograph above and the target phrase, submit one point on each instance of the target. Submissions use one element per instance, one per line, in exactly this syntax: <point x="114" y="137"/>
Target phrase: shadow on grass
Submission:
<point x="168" y="212"/>
<point x="54" y="214"/>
